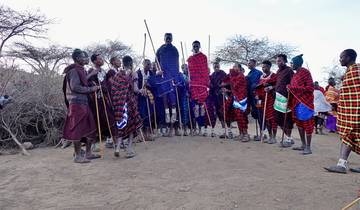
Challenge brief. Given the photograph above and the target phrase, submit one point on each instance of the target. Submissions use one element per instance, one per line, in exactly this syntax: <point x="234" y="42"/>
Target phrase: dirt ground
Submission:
<point x="187" y="173"/>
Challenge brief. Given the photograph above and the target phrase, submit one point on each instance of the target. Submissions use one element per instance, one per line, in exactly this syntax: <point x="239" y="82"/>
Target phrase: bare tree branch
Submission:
<point x="24" y="24"/>
<point x="44" y="60"/>
<point x="242" y="48"/>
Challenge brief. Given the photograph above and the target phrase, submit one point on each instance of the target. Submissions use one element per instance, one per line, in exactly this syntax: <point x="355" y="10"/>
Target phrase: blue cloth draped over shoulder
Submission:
<point x="168" y="56"/>
<point x="253" y="79"/>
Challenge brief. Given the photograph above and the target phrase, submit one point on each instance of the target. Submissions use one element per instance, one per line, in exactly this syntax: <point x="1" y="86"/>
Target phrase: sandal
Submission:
<point x="300" y="148"/>
<point x="93" y="156"/>
<point x="81" y="160"/>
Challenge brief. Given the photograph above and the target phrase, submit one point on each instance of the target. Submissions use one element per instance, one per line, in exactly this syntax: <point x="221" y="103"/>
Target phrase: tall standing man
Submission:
<point x="348" y="112"/>
<point x="253" y="79"/>
<point x="79" y="122"/>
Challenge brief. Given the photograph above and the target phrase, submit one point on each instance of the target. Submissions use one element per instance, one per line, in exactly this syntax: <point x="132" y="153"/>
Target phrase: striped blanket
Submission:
<point x="348" y="122"/>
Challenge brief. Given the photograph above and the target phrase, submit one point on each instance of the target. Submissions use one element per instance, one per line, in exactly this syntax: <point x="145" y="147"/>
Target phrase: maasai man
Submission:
<point x="127" y="117"/>
<point x="199" y="85"/>
<point x="301" y="103"/>
<point x="144" y="96"/>
<point x="266" y="85"/>
<point x="332" y="96"/>
<point x="185" y="105"/>
<point x="115" y="63"/>
<point x="236" y="102"/>
<point x="98" y="76"/>
<point x="158" y="90"/>
<point x="322" y="107"/>
<point x="253" y="78"/>
<point x="79" y="122"/>
<point x="348" y="112"/>
<point x="86" y="62"/>
<point x="168" y="57"/>
<point x="283" y="78"/>
<point x="215" y="99"/>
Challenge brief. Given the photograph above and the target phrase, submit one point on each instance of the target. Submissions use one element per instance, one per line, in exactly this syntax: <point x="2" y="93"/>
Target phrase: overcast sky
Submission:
<point x="320" y="29"/>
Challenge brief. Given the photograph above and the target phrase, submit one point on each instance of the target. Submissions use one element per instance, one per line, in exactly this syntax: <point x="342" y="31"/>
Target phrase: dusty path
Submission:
<point x="175" y="173"/>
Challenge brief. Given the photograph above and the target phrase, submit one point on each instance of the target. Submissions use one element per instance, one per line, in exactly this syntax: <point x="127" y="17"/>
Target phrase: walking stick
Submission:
<point x="224" y="115"/>
<point x="182" y="52"/>
<point x="188" y="100"/>
<point x="98" y="124"/>
<point x="209" y="52"/>
<point x="106" y="114"/>
<point x="147" y="99"/>
<point x="152" y="44"/>
<point x="207" y="113"/>
<point x="190" y="118"/>
<point x="351" y="204"/>
<point x="154" y="107"/>
<point x="287" y="104"/>
<point x="257" y="129"/>
<point x="263" y="119"/>
<point x="149" y="114"/>
<point x="178" y="105"/>
<point x="142" y="136"/>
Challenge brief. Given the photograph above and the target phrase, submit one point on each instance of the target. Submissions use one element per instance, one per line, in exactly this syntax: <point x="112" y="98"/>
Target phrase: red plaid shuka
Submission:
<point x="348" y="120"/>
<point x="122" y="92"/>
<point x="238" y="84"/>
<point x="199" y="77"/>
<point x="302" y="90"/>
<point x="260" y="92"/>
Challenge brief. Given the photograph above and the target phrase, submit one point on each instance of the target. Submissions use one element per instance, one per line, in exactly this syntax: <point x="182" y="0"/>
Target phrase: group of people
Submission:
<point x="160" y="100"/>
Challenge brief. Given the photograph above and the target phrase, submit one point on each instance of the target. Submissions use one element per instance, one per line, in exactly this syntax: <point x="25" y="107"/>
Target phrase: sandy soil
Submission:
<point x="175" y="173"/>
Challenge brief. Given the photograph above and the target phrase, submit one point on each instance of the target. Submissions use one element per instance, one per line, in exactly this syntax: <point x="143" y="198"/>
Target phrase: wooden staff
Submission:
<point x="154" y="107"/>
<point x="152" y="44"/>
<point x="351" y="204"/>
<point x="149" y="114"/>
<point x="263" y="119"/>
<point x="287" y="104"/>
<point x="186" y="50"/>
<point x="147" y="98"/>
<point x="142" y="136"/>
<point x="182" y="52"/>
<point x="98" y="124"/>
<point x="209" y="51"/>
<point x="207" y="113"/>
<point x="106" y="114"/>
<point x="190" y="118"/>
<point x="178" y="105"/>
<point x="188" y="100"/>
<point x="224" y="109"/>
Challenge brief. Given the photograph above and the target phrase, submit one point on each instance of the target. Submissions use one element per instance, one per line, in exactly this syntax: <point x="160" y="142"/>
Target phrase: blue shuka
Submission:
<point x="168" y="56"/>
<point x="253" y="79"/>
<point x="142" y="101"/>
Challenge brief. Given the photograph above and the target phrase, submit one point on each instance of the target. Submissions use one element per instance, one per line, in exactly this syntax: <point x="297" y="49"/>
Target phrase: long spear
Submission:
<point x="188" y="100"/>
<point x="147" y="98"/>
<point x="152" y="44"/>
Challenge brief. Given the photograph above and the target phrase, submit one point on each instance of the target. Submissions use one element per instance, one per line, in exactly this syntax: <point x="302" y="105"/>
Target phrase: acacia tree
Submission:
<point x="22" y="24"/>
<point x="110" y="48"/>
<point x="241" y="48"/>
<point x="45" y="61"/>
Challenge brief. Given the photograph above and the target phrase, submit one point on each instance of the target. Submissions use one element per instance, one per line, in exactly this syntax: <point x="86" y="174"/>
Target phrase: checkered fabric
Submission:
<point x="348" y="121"/>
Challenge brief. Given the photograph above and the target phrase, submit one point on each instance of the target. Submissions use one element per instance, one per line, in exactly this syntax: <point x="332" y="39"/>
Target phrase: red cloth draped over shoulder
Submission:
<point x="238" y="84"/>
<point x="302" y="89"/>
<point x="199" y="77"/>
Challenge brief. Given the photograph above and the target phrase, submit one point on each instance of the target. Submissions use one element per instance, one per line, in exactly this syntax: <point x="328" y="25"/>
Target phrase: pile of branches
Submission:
<point x="36" y="113"/>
